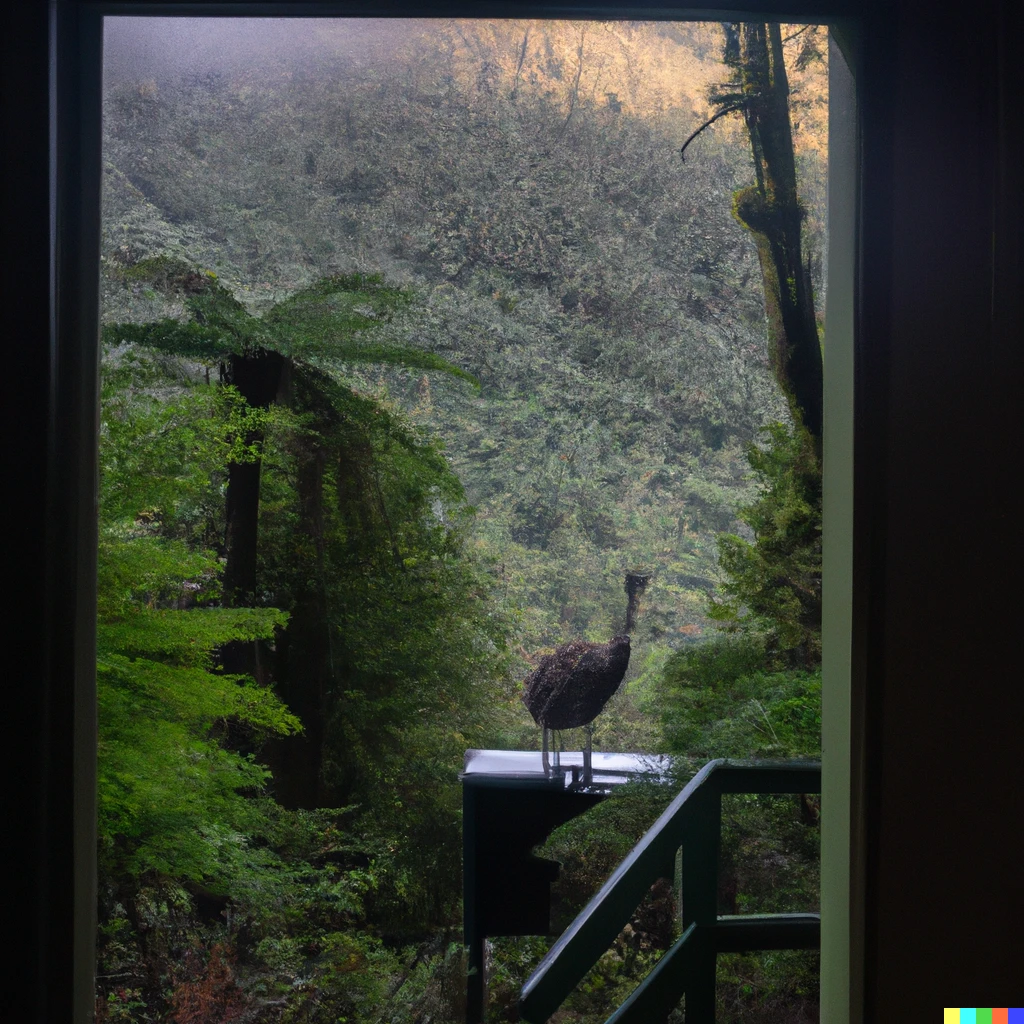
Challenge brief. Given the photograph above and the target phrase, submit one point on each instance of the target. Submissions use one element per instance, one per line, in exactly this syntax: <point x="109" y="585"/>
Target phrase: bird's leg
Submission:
<point x="588" y="752"/>
<point x="544" y="750"/>
<point x="556" y="743"/>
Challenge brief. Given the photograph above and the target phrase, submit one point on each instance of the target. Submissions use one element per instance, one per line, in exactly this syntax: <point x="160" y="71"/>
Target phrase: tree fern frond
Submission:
<point x="401" y="355"/>
<point x="201" y="341"/>
<point x="311" y="321"/>
<point x="322" y="321"/>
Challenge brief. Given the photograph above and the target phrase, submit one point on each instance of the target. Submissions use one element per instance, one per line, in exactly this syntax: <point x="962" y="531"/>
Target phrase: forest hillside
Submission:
<point x="418" y="336"/>
<point x="524" y="180"/>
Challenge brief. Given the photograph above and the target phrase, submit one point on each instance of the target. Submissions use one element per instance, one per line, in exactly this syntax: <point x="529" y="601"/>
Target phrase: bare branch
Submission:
<point x="521" y="61"/>
<point x="707" y="124"/>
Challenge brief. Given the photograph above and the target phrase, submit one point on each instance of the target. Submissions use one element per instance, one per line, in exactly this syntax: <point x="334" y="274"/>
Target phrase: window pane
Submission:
<point x="426" y="356"/>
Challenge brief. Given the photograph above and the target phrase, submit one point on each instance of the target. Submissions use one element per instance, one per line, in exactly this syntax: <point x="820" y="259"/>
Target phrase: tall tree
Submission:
<point x="771" y="210"/>
<point x="777" y="579"/>
<point x="257" y="357"/>
<point x="281" y="360"/>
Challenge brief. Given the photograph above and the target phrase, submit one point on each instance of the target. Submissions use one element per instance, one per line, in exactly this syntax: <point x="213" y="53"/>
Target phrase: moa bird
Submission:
<point x="570" y="687"/>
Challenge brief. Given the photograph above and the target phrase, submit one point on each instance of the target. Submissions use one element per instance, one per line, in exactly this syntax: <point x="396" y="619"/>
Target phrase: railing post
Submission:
<point x="700" y="899"/>
<point x="476" y="991"/>
<point x="687" y="971"/>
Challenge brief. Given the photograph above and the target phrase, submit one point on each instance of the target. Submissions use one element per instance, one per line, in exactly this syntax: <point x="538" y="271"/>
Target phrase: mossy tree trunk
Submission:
<point x="306" y="673"/>
<point x="770" y="209"/>
<point x="258" y="376"/>
<point x="305" y="663"/>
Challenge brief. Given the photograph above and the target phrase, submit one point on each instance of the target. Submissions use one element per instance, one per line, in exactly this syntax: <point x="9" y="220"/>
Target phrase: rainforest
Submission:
<point x="419" y="337"/>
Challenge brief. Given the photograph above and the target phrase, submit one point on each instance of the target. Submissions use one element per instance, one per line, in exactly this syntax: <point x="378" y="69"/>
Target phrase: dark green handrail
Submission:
<point x="692" y="821"/>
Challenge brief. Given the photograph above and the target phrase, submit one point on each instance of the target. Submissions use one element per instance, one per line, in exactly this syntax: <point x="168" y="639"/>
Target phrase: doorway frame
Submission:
<point x="67" y="790"/>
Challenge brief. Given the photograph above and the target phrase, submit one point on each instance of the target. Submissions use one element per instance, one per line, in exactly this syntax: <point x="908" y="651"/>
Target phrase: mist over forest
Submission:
<point x="598" y="287"/>
<point x="571" y="367"/>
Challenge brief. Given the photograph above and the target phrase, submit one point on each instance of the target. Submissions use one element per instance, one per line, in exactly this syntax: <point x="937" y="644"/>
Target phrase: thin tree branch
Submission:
<point x="707" y="124"/>
<point x="521" y="62"/>
<point x="798" y="32"/>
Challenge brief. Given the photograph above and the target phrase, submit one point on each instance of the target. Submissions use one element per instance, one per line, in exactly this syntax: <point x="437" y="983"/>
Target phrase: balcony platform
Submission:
<point x="510" y="804"/>
<point x="566" y="771"/>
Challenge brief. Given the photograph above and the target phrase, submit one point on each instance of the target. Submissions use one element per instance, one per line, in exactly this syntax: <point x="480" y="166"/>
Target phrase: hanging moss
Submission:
<point x="771" y="211"/>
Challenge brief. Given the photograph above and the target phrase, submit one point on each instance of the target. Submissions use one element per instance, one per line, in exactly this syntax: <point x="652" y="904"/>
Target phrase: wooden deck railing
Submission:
<point x="693" y="822"/>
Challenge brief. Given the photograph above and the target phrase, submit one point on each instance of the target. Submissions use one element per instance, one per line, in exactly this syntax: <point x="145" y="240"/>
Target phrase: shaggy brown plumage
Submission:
<point x="569" y="688"/>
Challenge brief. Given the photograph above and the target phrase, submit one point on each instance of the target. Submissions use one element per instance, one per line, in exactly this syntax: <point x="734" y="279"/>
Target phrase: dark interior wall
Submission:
<point x="39" y="700"/>
<point x="938" y="550"/>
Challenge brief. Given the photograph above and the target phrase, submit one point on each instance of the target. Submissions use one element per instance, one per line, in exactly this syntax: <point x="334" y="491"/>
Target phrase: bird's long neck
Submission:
<point x="636" y="583"/>
<point x="631" y="609"/>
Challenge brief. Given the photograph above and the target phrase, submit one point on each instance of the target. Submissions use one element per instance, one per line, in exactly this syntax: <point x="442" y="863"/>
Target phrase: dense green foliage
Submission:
<point x="438" y="307"/>
<point x="168" y="792"/>
<point x="754" y="691"/>
<point x="600" y="291"/>
<point x="720" y="701"/>
<point x="777" y="578"/>
<point x="189" y="830"/>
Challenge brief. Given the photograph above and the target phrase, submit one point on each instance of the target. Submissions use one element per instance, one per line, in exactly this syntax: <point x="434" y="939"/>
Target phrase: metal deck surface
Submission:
<point x="610" y="769"/>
